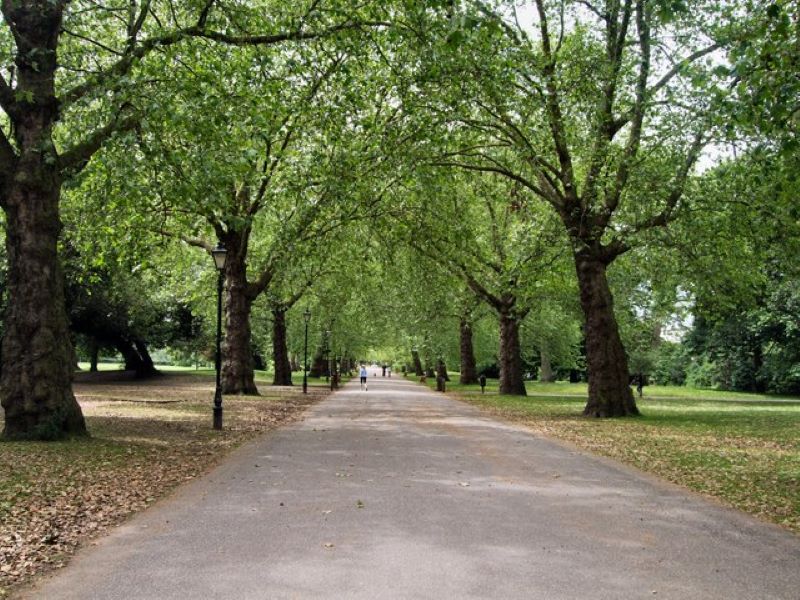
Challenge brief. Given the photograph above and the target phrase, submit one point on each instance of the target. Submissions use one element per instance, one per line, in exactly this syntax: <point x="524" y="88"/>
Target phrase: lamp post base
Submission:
<point x="218" y="411"/>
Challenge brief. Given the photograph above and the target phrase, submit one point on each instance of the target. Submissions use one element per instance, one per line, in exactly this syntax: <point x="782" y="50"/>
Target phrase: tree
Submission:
<point x="580" y="112"/>
<point x="77" y="67"/>
<point x="496" y="243"/>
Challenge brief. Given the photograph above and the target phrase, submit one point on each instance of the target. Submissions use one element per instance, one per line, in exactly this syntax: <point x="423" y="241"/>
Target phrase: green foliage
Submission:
<point x="670" y="364"/>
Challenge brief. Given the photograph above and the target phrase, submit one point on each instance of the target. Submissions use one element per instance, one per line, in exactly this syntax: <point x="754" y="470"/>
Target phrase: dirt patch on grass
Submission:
<point x="147" y="438"/>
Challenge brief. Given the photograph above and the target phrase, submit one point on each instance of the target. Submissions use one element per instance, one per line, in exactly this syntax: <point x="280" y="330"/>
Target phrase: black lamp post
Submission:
<point x="326" y="352"/>
<point x="306" y="318"/>
<point x="219" y="254"/>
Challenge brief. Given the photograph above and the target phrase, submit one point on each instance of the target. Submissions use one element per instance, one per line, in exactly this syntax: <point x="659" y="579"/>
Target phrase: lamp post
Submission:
<point x="219" y="254"/>
<point x="306" y="318"/>
<point x="326" y="352"/>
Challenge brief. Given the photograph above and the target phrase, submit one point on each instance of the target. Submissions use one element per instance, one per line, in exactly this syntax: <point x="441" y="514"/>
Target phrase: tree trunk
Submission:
<point x="469" y="371"/>
<point x="38" y="358"/>
<point x="441" y="369"/>
<point x="238" y="376"/>
<point x="147" y="368"/>
<point x="294" y="362"/>
<point x="36" y="382"/>
<point x="609" y="381"/>
<point x="511" y="377"/>
<point x="417" y="363"/>
<point x="280" y="354"/>
<point x="94" y="355"/>
<point x="546" y="374"/>
<point x="136" y="358"/>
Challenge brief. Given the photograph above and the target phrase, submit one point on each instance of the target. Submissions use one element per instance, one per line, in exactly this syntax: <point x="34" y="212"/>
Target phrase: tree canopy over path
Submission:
<point x="515" y="187"/>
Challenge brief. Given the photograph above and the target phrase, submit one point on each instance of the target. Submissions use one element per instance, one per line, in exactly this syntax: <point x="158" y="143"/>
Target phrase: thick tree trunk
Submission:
<point x="609" y="381"/>
<point x="36" y="382"/>
<point x="147" y="368"/>
<point x="469" y="371"/>
<point x="238" y="376"/>
<point x="441" y="369"/>
<point x="137" y="358"/>
<point x="417" y="363"/>
<point x="38" y="358"/>
<point x="511" y="377"/>
<point x="280" y="354"/>
<point x="546" y="374"/>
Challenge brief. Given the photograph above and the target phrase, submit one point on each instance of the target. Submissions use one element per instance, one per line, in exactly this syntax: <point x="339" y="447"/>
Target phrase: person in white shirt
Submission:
<point x="363" y="374"/>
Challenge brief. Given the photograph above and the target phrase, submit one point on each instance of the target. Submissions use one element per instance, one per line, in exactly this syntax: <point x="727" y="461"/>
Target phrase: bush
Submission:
<point x="670" y="364"/>
<point x="701" y="373"/>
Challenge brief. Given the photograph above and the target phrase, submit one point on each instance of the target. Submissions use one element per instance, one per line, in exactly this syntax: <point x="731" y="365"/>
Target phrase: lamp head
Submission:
<point x="219" y="254"/>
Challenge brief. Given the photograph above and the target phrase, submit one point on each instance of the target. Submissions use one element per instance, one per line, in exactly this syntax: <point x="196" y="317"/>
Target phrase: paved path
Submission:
<point x="401" y="493"/>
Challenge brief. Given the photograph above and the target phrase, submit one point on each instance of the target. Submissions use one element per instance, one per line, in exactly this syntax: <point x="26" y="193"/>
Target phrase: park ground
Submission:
<point x="149" y="437"/>
<point x="740" y="448"/>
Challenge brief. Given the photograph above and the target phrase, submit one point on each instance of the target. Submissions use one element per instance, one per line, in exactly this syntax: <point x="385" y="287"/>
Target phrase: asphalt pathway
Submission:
<point x="398" y="492"/>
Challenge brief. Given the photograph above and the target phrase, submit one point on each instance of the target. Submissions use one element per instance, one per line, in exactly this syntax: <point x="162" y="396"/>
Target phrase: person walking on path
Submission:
<point x="389" y="371"/>
<point x="363" y="374"/>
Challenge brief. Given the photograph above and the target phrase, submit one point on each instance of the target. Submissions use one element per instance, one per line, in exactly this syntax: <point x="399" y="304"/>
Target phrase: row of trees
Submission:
<point x="412" y="172"/>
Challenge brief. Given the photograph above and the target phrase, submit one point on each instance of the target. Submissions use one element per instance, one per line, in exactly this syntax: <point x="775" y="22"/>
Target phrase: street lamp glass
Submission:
<point x="307" y="315"/>
<point x="219" y="254"/>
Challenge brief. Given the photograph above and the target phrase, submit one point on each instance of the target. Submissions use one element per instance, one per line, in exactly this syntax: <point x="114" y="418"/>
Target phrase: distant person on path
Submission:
<point x="482" y="381"/>
<point x="640" y="384"/>
<point x="389" y="371"/>
<point x="363" y="374"/>
<point x="384" y="369"/>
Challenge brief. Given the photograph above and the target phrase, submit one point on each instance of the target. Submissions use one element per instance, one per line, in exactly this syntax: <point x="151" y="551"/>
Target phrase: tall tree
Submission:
<point x="497" y="244"/>
<point x="75" y="67"/>
<point x="579" y="109"/>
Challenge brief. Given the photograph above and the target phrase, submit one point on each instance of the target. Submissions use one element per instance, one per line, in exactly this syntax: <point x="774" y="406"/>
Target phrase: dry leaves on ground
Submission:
<point x="147" y="438"/>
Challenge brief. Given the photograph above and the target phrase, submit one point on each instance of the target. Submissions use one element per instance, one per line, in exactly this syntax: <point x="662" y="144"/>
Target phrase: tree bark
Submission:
<point x="147" y="368"/>
<point x="511" y="377"/>
<point x="469" y="370"/>
<point x="136" y="357"/>
<point x="417" y="363"/>
<point x="38" y="358"/>
<point x="238" y="376"/>
<point x="441" y="369"/>
<point x="610" y="394"/>
<point x="36" y="382"/>
<point x="546" y="374"/>
<point x="280" y="353"/>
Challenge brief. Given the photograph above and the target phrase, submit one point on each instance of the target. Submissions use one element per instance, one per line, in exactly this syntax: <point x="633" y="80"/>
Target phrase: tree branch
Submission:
<point x="76" y="158"/>
<point x="7" y="102"/>
<point x="666" y="215"/>
<point x="8" y="161"/>
<point x="496" y="169"/>
<point x="133" y="53"/>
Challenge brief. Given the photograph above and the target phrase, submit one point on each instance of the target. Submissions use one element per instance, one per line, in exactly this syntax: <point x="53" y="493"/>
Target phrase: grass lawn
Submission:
<point x="743" y="449"/>
<point x="146" y="438"/>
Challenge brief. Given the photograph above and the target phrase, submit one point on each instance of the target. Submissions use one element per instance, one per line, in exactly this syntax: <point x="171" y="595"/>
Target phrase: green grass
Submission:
<point x="743" y="449"/>
<point x="261" y="377"/>
<point x="564" y="388"/>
